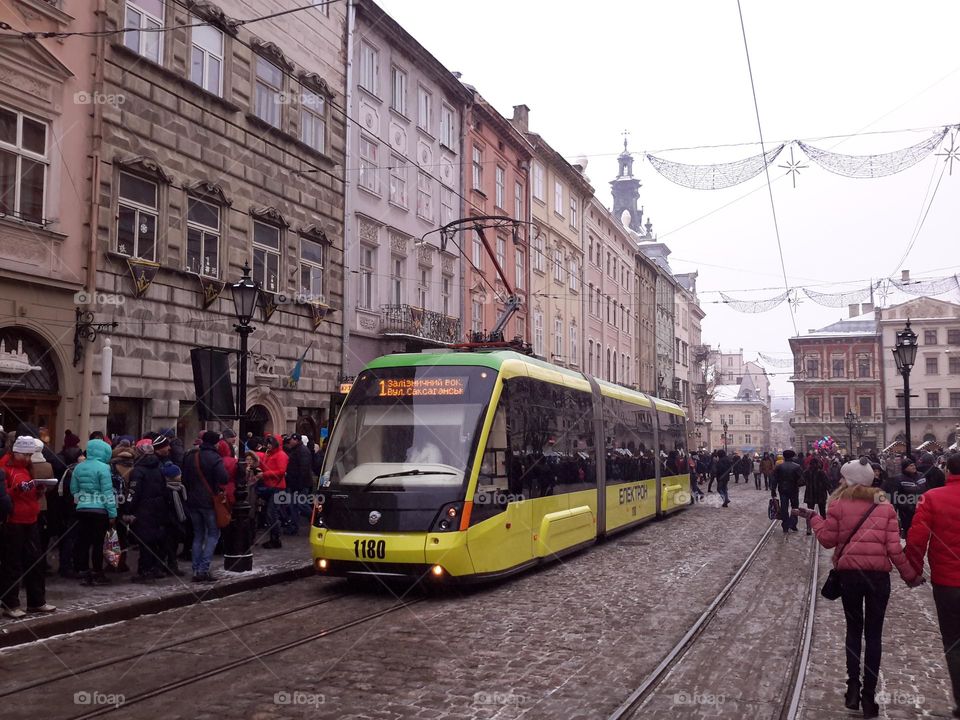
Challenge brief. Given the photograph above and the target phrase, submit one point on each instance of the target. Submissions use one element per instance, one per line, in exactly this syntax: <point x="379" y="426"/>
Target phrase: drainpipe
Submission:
<point x="86" y="385"/>
<point x="349" y="309"/>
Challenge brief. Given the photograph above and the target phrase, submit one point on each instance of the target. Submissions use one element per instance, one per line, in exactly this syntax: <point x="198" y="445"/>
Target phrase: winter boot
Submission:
<point x="869" y="703"/>
<point x="851" y="700"/>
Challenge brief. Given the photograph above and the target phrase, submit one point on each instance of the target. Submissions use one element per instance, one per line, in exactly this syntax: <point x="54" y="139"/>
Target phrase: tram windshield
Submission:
<point x="408" y="428"/>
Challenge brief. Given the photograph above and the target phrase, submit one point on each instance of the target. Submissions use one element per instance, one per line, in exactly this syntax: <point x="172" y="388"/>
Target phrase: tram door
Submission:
<point x="501" y="534"/>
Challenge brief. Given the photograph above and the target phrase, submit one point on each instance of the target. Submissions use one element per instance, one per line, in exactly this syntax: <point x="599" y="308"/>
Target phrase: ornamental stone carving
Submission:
<point x="369" y="232"/>
<point x="210" y="191"/>
<point x="398" y="242"/>
<point x="369" y="117"/>
<point x="314" y="232"/>
<point x="425" y="254"/>
<point x="368" y="323"/>
<point x="316" y="83"/>
<point x="446" y="264"/>
<point x="148" y="166"/>
<point x="270" y="215"/>
<point x="273" y="53"/>
<point x="214" y="15"/>
<point x="398" y="136"/>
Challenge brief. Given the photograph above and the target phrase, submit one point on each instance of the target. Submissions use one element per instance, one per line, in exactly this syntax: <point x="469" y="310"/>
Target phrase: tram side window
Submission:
<point x="493" y="489"/>
<point x="642" y="425"/>
<point x="622" y="451"/>
<point x="672" y="439"/>
<point x="550" y="439"/>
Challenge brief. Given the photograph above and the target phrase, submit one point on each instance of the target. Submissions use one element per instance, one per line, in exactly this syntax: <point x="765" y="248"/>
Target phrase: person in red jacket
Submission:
<point x="935" y="532"/>
<point x="22" y="556"/>
<point x="274" y="482"/>
<point x="863" y="559"/>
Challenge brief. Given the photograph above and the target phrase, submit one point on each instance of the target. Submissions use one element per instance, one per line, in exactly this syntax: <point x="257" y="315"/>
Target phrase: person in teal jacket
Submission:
<point x="92" y="489"/>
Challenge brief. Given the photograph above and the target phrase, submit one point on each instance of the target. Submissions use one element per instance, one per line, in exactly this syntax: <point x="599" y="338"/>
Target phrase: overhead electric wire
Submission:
<point x="766" y="170"/>
<point x="922" y="219"/>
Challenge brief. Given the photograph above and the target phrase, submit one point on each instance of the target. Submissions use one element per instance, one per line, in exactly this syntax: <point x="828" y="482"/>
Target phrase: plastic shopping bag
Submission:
<point x="111" y="547"/>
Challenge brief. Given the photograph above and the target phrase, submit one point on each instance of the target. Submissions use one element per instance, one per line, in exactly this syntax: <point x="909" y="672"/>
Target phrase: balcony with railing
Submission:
<point x="410" y="321"/>
<point x="946" y="413"/>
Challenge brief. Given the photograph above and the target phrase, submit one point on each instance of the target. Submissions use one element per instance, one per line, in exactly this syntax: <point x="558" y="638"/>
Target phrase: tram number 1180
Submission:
<point x="370" y="549"/>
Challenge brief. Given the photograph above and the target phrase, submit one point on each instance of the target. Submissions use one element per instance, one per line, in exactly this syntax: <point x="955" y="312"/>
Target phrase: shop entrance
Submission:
<point x="29" y="386"/>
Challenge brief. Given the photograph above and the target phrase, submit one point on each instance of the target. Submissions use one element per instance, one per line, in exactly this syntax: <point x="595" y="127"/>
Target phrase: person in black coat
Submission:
<point x="816" y="490"/>
<point x="299" y="483"/>
<point x="787" y="479"/>
<point x="724" y="466"/>
<point x="905" y="491"/>
<point x="927" y="467"/>
<point x="204" y="475"/>
<point x="148" y="513"/>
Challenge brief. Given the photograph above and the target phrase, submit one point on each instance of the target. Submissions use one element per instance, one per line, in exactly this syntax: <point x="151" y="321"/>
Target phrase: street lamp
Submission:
<point x="238" y="535"/>
<point x="725" y="435"/>
<point x="850" y="420"/>
<point x="660" y="384"/>
<point x="905" y="353"/>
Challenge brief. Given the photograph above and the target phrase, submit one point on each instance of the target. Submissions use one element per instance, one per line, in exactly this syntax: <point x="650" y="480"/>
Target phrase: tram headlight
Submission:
<point x="448" y="518"/>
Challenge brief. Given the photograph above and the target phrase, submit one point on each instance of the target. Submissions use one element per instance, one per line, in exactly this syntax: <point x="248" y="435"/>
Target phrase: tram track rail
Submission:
<point x="789" y="709"/>
<point x="120" y="659"/>
<point x="249" y="658"/>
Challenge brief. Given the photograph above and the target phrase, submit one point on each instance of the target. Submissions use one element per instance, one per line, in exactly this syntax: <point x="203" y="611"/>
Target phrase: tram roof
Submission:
<point x="495" y="359"/>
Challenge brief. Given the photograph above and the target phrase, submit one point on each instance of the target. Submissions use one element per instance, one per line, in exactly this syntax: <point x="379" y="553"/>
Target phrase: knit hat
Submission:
<point x="858" y="472"/>
<point x="25" y="444"/>
<point x="144" y="447"/>
<point x="170" y="470"/>
<point x="210" y="437"/>
<point x="907" y="462"/>
<point x="160" y="440"/>
<point x="228" y="433"/>
<point x="70" y="440"/>
<point x="789" y="454"/>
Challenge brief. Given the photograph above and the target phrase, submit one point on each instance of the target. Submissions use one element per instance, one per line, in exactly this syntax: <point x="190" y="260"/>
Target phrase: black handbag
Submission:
<point x="831" y="586"/>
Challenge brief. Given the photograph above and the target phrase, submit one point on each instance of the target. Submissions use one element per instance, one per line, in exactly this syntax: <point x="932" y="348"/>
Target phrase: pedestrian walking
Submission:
<point x="724" y="467"/>
<point x="785" y="483"/>
<point x="756" y="471"/>
<point x="299" y="481"/>
<point x="714" y="461"/>
<point x="148" y="512"/>
<point x="766" y="467"/>
<point x="92" y="487"/>
<point x="935" y="533"/>
<point x="735" y="468"/>
<point x="815" y="490"/>
<point x="22" y="560"/>
<point x="929" y="471"/>
<point x="905" y="491"/>
<point x="204" y="477"/>
<point x="862" y="525"/>
<point x="274" y="466"/>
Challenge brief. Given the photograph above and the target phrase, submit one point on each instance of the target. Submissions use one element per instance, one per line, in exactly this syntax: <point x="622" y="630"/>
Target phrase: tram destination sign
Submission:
<point x="422" y="387"/>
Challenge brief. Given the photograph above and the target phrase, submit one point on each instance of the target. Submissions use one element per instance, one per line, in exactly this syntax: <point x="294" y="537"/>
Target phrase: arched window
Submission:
<point x="590" y="357"/>
<point x="608" y="375"/>
<point x="614" y="377"/>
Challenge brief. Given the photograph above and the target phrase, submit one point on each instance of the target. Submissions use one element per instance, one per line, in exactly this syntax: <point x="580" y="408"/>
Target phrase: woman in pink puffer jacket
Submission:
<point x="864" y="562"/>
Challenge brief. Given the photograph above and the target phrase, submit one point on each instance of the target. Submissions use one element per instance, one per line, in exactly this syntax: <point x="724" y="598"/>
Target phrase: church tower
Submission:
<point x="626" y="191"/>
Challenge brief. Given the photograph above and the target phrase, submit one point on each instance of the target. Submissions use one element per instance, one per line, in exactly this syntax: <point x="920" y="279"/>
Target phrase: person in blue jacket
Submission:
<point x="92" y="488"/>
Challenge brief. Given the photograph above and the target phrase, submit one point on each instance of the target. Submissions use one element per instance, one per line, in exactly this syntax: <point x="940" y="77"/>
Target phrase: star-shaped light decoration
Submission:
<point x="952" y="153"/>
<point x="793" y="168"/>
<point x="884" y="293"/>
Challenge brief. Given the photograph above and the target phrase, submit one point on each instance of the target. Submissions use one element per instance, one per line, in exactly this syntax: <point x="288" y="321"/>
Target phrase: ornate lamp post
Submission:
<point x="238" y="538"/>
<point x="850" y="420"/>
<point x="905" y="353"/>
<point x="660" y="384"/>
<point x="725" y="426"/>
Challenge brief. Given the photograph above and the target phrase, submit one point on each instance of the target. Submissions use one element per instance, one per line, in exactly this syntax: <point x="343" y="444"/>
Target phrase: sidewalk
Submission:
<point x="80" y="607"/>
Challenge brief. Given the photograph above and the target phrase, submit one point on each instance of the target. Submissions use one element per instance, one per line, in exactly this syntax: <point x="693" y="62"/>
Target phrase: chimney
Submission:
<point x="521" y="118"/>
<point x="904" y="275"/>
<point x="866" y="308"/>
<point x="853" y="310"/>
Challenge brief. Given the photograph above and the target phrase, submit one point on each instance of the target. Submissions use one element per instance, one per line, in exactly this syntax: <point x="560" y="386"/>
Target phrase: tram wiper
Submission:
<point x="406" y="473"/>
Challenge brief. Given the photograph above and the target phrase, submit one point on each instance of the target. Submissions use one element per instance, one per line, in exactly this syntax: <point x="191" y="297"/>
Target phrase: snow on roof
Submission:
<point x="860" y="325"/>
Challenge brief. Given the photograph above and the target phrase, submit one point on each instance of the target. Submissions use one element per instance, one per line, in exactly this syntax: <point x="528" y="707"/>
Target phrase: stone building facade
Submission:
<point x="45" y="122"/>
<point x="499" y="163"/>
<point x="559" y="193"/>
<point x="612" y="313"/>
<point x="227" y="149"/>
<point x="746" y="415"/>
<point x="935" y="379"/>
<point x="405" y="180"/>
<point x="836" y="369"/>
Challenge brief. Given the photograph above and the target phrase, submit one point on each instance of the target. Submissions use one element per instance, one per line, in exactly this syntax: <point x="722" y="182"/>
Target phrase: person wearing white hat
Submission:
<point x="862" y="524"/>
<point x="22" y="556"/>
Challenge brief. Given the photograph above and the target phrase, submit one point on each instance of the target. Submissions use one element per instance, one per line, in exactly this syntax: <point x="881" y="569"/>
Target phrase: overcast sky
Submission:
<point x="675" y="75"/>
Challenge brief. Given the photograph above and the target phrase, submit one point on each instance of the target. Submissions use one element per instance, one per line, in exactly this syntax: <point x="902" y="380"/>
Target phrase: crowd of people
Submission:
<point x="150" y="493"/>
<point x="864" y="507"/>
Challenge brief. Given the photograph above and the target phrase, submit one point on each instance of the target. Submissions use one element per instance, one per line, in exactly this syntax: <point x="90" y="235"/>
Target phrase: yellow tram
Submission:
<point x="459" y="466"/>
